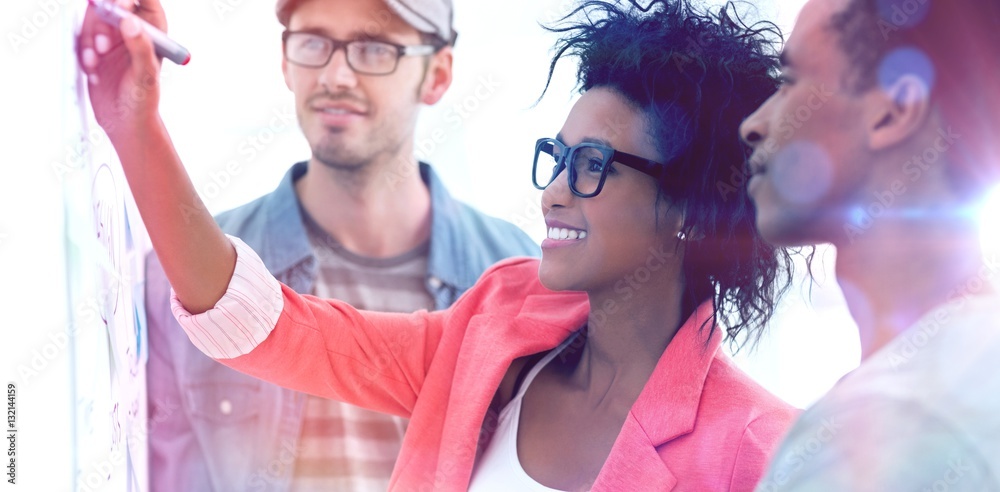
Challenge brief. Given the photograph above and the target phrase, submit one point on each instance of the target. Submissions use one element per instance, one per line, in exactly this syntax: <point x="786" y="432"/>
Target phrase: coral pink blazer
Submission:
<point x="700" y="424"/>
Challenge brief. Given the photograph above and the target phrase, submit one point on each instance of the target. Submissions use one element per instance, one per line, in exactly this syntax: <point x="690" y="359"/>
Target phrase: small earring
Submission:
<point x="682" y="236"/>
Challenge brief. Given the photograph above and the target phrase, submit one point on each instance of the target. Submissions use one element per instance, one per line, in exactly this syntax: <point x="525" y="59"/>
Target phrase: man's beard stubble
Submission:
<point x="357" y="156"/>
<point x="342" y="156"/>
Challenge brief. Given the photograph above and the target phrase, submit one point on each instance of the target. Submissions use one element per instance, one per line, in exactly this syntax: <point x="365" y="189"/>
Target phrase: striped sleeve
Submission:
<point x="245" y="315"/>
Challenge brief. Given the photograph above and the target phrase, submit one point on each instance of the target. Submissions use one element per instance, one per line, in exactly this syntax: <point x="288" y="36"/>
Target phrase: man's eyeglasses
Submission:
<point x="366" y="57"/>
<point x="588" y="163"/>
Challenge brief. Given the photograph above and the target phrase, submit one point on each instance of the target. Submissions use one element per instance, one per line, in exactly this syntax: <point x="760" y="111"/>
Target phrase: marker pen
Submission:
<point x="165" y="47"/>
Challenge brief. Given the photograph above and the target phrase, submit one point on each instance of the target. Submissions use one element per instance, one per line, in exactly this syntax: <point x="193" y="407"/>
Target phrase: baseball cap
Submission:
<point x="427" y="16"/>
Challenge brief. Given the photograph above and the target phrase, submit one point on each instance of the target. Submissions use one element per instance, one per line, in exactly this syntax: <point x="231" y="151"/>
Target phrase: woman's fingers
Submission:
<point x="98" y="38"/>
<point x="152" y="12"/>
<point x="140" y="47"/>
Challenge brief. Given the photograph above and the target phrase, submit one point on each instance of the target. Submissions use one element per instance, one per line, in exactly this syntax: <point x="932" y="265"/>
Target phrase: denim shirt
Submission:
<point x="212" y="428"/>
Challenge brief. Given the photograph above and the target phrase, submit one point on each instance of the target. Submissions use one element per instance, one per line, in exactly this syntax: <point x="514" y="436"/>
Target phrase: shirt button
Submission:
<point x="434" y="282"/>
<point x="226" y="407"/>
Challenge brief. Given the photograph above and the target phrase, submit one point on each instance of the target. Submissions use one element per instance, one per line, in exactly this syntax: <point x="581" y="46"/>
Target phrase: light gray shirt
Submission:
<point x="922" y="413"/>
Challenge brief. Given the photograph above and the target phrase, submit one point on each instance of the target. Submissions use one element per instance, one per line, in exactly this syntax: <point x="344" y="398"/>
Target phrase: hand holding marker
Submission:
<point x="165" y="47"/>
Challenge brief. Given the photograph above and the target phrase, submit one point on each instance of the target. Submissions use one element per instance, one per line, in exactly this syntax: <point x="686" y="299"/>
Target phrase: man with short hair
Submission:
<point x="882" y="141"/>
<point x="361" y="221"/>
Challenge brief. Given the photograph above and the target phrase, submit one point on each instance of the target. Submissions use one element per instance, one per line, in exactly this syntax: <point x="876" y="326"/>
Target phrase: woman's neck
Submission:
<point x="628" y="330"/>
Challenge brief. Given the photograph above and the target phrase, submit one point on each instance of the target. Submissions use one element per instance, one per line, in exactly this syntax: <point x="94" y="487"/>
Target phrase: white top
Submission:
<point x="499" y="469"/>
<point x="922" y="413"/>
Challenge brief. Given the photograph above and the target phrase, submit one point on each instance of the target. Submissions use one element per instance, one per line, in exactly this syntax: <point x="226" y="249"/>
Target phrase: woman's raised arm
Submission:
<point x="123" y="74"/>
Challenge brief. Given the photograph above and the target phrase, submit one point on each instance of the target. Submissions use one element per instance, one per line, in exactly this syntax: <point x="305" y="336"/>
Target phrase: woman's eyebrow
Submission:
<point x="593" y="140"/>
<point x="598" y="141"/>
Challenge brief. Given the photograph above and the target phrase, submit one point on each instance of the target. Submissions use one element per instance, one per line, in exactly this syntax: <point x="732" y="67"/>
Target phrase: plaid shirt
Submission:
<point x="345" y="447"/>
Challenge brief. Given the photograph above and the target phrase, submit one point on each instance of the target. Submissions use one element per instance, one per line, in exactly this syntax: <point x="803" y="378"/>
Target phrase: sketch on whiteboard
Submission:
<point x="106" y="213"/>
<point x="106" y="246"/>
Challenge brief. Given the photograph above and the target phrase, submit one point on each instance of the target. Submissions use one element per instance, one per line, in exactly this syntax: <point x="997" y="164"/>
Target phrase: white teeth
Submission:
<point x="566" y="234"/>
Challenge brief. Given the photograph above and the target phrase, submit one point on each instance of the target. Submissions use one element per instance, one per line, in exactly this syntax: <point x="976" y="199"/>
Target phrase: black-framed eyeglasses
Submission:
<point x="364" y="56"/>
<point x="591" y="163"/>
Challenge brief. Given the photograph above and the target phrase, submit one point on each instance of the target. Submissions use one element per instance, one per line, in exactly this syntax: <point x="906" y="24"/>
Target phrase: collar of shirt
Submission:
<point x="282" y="241"/>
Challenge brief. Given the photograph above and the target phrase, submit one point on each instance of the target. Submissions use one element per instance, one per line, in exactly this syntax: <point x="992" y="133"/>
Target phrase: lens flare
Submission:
<point x="907" y="61"/>
<point x="989" y="222"/>
<point x="803" y="172"/>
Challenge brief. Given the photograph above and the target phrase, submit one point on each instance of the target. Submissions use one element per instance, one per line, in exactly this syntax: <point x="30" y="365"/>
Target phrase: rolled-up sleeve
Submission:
<point x="245" y="315"/>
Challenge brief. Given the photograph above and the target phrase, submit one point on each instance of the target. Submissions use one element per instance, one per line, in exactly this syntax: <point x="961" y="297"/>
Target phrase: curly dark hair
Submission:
<point x="696" y="74"/>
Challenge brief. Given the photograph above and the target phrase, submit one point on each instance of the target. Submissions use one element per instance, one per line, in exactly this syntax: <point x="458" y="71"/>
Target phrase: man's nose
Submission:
<point x="337" y="72"/>
<point x="753" y="129"/>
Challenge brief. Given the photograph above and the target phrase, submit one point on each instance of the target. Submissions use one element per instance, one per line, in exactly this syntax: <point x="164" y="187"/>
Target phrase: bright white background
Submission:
<point x="221" y="110"/>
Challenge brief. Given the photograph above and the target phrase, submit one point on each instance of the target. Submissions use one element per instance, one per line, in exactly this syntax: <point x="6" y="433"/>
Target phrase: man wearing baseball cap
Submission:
<point x="360" y="221"/>
<point x="432" y="17"/>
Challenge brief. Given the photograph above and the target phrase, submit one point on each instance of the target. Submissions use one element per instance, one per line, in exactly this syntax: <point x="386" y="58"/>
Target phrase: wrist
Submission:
<point x="133" y="137"/>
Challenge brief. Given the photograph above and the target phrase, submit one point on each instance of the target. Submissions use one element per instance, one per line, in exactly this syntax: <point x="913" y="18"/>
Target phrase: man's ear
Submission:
<point x="897" y="112"/>
<point x="438" y="78"/>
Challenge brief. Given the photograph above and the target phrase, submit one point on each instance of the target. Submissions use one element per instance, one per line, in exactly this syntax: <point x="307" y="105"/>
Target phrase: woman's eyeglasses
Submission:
<point x="588" y="163"/>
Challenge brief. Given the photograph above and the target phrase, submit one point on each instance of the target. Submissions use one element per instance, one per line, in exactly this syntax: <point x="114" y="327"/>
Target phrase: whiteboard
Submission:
<point x="105" y="246"/>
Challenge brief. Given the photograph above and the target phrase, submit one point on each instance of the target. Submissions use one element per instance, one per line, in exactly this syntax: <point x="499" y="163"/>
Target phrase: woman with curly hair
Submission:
<point x="598" y="367"/>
